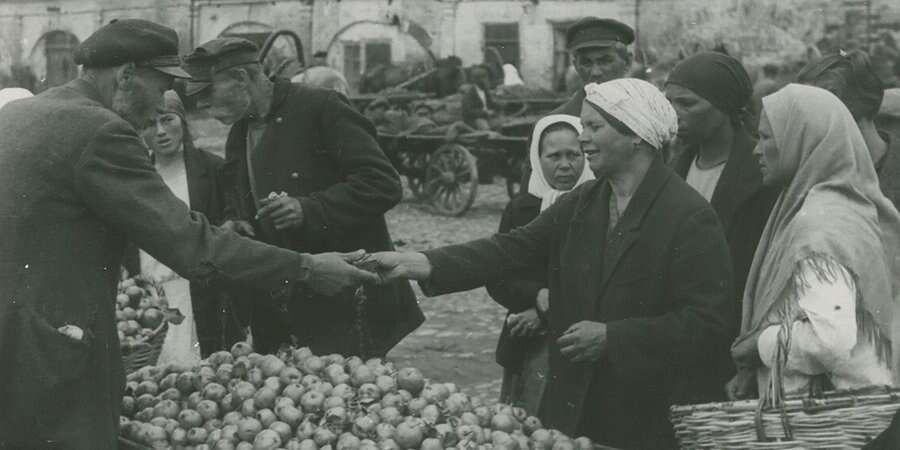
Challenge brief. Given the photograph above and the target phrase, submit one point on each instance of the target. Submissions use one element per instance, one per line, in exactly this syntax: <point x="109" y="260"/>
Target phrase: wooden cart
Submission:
<point x="445" y="174"/>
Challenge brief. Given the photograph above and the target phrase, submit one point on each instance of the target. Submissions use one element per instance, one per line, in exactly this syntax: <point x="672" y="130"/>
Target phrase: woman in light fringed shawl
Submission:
<point x="822" y="291"/>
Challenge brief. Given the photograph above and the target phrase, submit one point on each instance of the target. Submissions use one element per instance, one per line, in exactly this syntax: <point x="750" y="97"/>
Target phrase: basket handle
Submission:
<point x="773" y="395"/>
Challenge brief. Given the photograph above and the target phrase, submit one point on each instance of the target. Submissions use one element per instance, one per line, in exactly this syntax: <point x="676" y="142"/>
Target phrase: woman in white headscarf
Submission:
<point x="638" y="272"/>
<point x="522" y="349"/>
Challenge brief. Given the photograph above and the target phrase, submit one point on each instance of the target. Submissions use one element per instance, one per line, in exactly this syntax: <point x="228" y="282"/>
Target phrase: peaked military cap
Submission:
<point x="142" y="42"/>
<point x="597" y="32"/>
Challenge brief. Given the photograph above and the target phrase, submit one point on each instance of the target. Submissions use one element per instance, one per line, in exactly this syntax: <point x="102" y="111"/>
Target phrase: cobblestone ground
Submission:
<point x="457" y="341"/>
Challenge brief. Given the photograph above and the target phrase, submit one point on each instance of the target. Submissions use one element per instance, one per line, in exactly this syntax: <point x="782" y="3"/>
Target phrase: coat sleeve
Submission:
<point x="517" y="294"/>
<point x="370" y="187"/>
<point x="466" y="266"/>
<point x="700" y="292"/>
<point x="114" y="177"/>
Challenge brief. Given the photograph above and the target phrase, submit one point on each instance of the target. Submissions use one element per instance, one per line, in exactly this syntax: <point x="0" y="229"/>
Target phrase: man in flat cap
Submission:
<point x="305" y="173"/>
<point x="599" y="51"/>
<point x="77" y="185"/>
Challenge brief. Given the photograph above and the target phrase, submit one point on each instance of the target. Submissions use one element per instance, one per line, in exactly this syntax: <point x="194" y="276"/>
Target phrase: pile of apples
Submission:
<point x="140" y="310"/>
<point x="299" y="401"/>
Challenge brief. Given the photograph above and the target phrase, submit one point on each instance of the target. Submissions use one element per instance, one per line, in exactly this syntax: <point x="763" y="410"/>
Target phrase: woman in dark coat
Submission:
<point x="638" y="271"/>
<point x="711" y="92"/>
<point x="195" y="175"/>
<point x="522" y="349"/>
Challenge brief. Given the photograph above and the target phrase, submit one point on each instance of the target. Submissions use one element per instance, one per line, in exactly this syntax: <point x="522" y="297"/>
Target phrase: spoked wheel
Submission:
<point x="415" y="167"/>
<point x="451" y="180"/>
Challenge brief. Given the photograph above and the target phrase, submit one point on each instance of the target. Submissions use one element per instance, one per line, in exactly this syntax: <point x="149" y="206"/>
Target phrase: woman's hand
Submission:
<point x="742" y="386"/>
<point x="525" y="324"/>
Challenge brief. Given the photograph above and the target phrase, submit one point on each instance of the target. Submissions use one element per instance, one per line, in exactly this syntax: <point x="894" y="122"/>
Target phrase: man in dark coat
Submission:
<point x="711" y="92"/>
<point x="305" y="172"/>
<point x="638" y="298"/>
<point x="477" y="101"/>
<point x="77" y="185"/>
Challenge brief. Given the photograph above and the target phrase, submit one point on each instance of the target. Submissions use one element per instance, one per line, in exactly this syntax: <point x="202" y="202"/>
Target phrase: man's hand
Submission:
<point x="742" y="386"/>
<point x="285" y="212"/>
<point x="584" y="341"/>
<point x="399" y="265"/>
<point x="331" y="273"/>
<point x="241" y="227"/>
<point x="542" y="302"/>
<point x="525" y="324"/>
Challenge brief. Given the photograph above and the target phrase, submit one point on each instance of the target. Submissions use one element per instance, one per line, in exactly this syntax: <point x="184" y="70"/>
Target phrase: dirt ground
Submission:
<point x="457" y="341"/>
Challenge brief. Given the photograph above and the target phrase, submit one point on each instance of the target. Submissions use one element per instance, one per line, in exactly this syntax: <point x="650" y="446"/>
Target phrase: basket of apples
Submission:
<point x="142" y="318"/>
<point x="296" y="400"/>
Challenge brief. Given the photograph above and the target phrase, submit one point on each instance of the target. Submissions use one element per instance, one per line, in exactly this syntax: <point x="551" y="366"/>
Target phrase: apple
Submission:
<point x="197" y="436"/>
<point x="283" y="401"/>
<point x="178" y="436"/>
<point x="208" y="409"/>
<point x="134" y="293"/>
<point x="144" y="415"/>
<point x="368" y="444"/>
<point x="265" y="398"/>
<point x="300" y="354"/>
<point x="430" y="414"/>
<point x="584" y="443"/>
<point x="188" y="418"/>
<point x="504" y="422"/>
<point x="348" y="442"/>
<point x="484" y="415"/>
<point x="446" y="434"/>
<point x="221" y="357"/>
<point x="243" y="391"/>
<point x="308" y="444"/>
<point x="532" y="424"/>
<point x="284" y="430"/>
<point x="127" y="406"/>
<point x="243" y="446"/>
<point x="563" y="444"/>
<point x="333" y="402"/>
<point x="352" y="363"/>
<point x="215" y="433"/>
<point x="266" y="417"/>
<point x="410" y="379"/>
<point x="457" y="403"/>
<point x="255" y="376"/>
<point x="305" y="430"/>
<point x="432" y="444"/>
<point x="225" y="373"/>
<point x="241" y="349"/>
<point x="145" y="401"/>
<point x="194" y="399"/>
<point x="290" y="375"/>
<point x="167" y="409"/>
<point x="323" y="436"/>
<point x="214" y="392"/>
<point x="312" y="402"/>
<point x="232" y="418"/>
<point x="386" y="383"/>
<point x="271" y="366"/>
<point x="147" y="387"/>
<point x="248" y="408"/>
<point x="391" y="415"/>
<point x="289" y="415"/>
<point x="293" y="391"/>
<point x="542" y="439"/>
<point x="122" y="300"/>
<point x="229" y="431"/>
<point x="416" y="406"/>
<point x="153" y="434"/>
<point x="185" y="382"/>
<point x="337" y="417"/>
<point x="362" y="375"/>
<point x="388" y="444"/>
<point x="152" y="318"/>
<point x="324" y="388"/>
<point x="312" y="365"/>
<point x="223" y="444"/>
<point x="409" y="434"/>
<point x="384" y="431"/>
<point x="248" y="428"/>
<point x="310" y="380"/>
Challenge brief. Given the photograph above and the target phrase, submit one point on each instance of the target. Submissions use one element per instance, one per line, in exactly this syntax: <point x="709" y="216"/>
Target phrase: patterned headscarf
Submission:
<point x="538" y="185"/>
<point x="639" y="105"/>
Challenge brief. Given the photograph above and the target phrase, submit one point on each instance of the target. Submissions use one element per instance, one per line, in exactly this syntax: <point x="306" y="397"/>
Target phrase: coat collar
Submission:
<point x="657" y="175"/>
<point x="740" y="177"/>
<point x="87" y="89"/>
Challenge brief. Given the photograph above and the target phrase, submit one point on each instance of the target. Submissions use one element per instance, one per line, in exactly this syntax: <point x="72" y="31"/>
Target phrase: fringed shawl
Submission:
<point x="832" y="211"/>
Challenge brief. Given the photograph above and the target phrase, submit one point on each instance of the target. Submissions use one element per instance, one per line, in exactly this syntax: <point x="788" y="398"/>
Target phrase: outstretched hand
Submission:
<point x="397" y="265"/>
<point x="331" y="273"/>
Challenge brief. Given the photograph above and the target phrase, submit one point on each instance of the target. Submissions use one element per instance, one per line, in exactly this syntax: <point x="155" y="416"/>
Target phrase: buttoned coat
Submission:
<point x="320" y="150"/>
<point x="661" y="282"/>
<point x="77" y="185"/>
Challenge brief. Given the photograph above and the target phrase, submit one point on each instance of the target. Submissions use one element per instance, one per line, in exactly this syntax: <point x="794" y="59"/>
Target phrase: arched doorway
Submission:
<point x="53" y="59"/>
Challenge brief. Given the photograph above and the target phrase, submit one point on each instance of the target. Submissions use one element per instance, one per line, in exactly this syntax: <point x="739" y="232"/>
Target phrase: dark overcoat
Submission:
<point x="743" y="206"/>
<point x="218" y="326"/>
<point x="661" y="282"/>
<point x="77" y="185"/>
<point x="889" y="169"/>
<point x="317" y="148"/>
<point x="520" y="292"/>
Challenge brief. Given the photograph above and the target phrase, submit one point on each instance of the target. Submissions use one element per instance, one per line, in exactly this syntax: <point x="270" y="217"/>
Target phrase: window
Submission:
<point x="353" y="67"/>
<point x="561" y="57"/>
<point x="504" y="37"/>
<point x="360" y="57"/>
<point x="59" y="51"/>
<point x="377" y="53"/>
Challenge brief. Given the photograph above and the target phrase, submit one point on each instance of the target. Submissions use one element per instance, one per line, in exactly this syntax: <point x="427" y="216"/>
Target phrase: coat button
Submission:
<point x="295" y="175"/>
<point x="279" y="120"/>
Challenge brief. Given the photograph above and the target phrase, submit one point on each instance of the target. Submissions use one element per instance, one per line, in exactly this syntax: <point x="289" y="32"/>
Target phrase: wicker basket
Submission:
<point x="146" y="351"/>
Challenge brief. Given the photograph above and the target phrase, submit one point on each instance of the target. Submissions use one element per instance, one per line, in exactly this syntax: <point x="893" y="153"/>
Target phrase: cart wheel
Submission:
<point x="451" y="180"/>
<point x="415" y="175"/>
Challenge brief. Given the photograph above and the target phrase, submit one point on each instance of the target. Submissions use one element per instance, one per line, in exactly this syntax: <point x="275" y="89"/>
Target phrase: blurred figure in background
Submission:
<point x="523" y="347"/>
<point x="12" y="94"/>
<point x="850" y="77"/>
<point x="767" y="82"/>
<point x="888" y="118"/>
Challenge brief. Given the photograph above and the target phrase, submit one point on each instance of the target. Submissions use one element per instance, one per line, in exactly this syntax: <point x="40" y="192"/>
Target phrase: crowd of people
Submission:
<point x="710" y="240"/>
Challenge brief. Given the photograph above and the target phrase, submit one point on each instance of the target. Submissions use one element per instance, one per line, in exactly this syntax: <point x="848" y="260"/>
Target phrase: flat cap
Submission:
<point x="597" y="32"/>
<point x="215" y="56"/>
<point x="142" y="42"/>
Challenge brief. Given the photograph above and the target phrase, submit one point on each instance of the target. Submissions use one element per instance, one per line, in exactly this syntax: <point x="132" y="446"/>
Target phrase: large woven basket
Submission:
<point x="836" y="420"/>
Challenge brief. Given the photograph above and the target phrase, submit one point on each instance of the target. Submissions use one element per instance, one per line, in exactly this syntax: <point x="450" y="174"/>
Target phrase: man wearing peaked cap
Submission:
<point x="78" y="184"/>
<point x="306" y="174"/>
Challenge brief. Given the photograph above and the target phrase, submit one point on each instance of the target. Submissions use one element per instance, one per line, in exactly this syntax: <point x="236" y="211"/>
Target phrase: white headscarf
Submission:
<point x="639" y="105"/>
<point x="538" y="185"/>
<point x="9" y="94"/>
<point x="511" y="76"/>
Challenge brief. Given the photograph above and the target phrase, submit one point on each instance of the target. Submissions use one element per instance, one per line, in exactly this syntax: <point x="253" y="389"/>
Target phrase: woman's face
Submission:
<point x="607" y="151"/>
<point x="562" y="161"/>
<point x="165" y="135"/>
<point x="768" y="155"/>
<point x="698" y="119"/>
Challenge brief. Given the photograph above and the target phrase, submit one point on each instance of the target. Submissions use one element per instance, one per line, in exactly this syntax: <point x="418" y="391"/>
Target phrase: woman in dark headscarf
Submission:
<point x="823" y="289"/>
<point x="711" y="92"/>
<point x="193" y="176"/>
